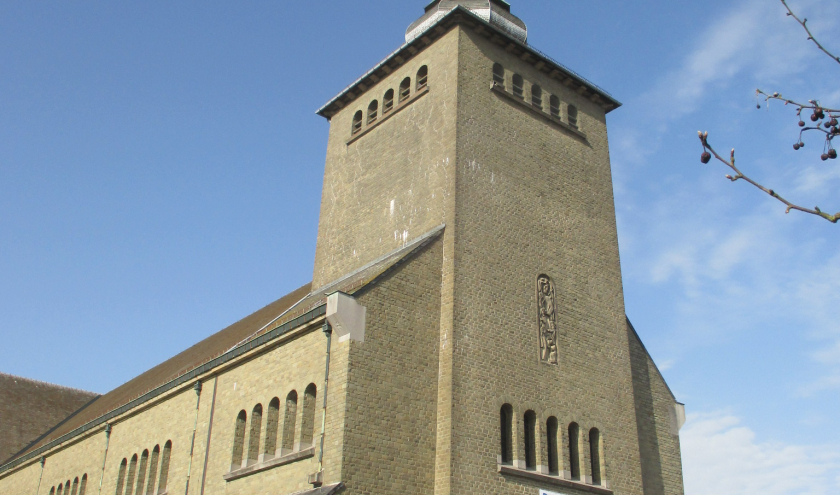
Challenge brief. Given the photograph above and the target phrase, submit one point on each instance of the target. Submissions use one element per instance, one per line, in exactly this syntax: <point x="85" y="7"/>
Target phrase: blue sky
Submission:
<point x="161" y="167"/>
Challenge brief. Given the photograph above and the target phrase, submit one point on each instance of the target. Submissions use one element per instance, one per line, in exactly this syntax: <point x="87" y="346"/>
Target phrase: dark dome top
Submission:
<point x="495" y="12"/>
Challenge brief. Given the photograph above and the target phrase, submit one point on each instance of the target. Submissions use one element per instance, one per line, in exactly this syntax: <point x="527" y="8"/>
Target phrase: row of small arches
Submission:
<point x="133" y="478"/>
<point x="518" y="88"/>
<point x="553" y="447"/>
<point x="388" y="100"/>
<point x="78" y="487"/>
<point x="267" y="445"/>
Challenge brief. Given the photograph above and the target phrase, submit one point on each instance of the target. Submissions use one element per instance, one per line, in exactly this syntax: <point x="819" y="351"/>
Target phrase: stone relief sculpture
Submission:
<point x="546" y="319"/>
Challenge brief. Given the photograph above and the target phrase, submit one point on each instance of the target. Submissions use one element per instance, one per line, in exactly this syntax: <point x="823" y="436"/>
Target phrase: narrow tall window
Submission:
<point x="506" y="430"/>
<point x="573" y="115"/>
<point x="530" y="440"/>
<point x="551" y="435"/>
<point x="388" y="102"/>
<point x="141" y="472"/>
<point x="288" y="443"/>
<point x="373" y="112"/>
<point x="83" y="485"/>
<point x="422" y="78"/>
<point x="121" y="477"/>
<point x="254" y="434"/>
<point x="554" y="106"/>
<point x="405" y="89"/>
<point x="518" y="86"/>
<point x="307" y="425"/>
<point x="536" y="96"/>
<point x="499" y="75"/>
<point x="129" y="481"/>
<point x="153" y="467"/>
<point x="67" y="488"/>
<point x="52" y="491"/>
<point x="238" y="441"/>
<point x="574" y="450"/>
<point x="270" y="445"/>
<point x="357" y="123"/>
<point x="60" y="489"/>
<point x="164" y="466"/>
<point x="75" y="489"/>
<point x="595" y="455"/>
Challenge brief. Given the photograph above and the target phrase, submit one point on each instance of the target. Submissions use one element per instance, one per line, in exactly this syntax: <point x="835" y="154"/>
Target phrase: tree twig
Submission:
<point x="803" y="23"/>
<point x="704" y="140"/>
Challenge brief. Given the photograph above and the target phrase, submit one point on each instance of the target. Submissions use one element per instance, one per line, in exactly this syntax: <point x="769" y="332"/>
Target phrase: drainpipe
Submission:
<point x="209" y="433"/>
<point x="43" y="461"/>
<point x="197" y="389"/>
<point x="319" y="475"/>
<point x="105" y="456"/>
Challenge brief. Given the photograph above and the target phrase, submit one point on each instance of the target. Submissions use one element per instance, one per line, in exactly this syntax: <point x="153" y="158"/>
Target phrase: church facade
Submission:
<point x="464" y="331"/>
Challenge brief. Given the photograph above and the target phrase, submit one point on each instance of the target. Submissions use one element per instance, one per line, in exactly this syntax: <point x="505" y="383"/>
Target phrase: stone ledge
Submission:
<point x="270" y="463"/>
<point x="552" y="480"/>
<point x="382" y="118"/>
<point x="501" y="91"/>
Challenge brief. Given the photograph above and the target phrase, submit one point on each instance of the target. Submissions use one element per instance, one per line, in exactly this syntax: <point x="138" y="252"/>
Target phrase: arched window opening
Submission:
<point x="164" y="466"/>
<point x="518" y="86"/>
<point x="536" y="96"/>
<point x="372" y="112"/>
<point x="530" y="440"/>
<point x="238" y="441"/>
<point x="254" y="434"/>
<point x="52" y="491"/>
<point x="141" y="472"/>
<point x="75" y="489"/>
<point x="388" y="102"/>
<point x="574" y="450"/>
<point x="287" y="445"/>
<point x="121" y="477"/>
<point x="573" y="115"/>
<point x="506" y="416"/>
<point x="67" y="487"/>
<point x="83" y="485"/>
<point x="405" y="89"/>
<point x="595" y="455"/>
<point x="554" y="106"/>
<point x="307" y="425"/>
<point x="357" y="123"/>
<point x="153" y="467"/>
<point x="499" y="75"/>
<point x="551" y="435"/>
<point x="270" y="445"/>
<point x="129" y="481"/>
<point x="60" y="489"/>
<point x="422" y="78"/>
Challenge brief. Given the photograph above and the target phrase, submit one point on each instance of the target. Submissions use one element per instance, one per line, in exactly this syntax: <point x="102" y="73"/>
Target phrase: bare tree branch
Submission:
<point x="708" y="152"/>
<point x="803" y="23"/>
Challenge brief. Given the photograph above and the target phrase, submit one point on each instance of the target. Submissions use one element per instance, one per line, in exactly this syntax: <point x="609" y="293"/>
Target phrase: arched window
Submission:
<point x="121" y="477"/>
<point x="373" y="112"/>
<point x="573" y="114"/>
<point x="153" y="467"/>
<point x="75" y="489"/>
<point x="518" y="86"/>
<point x="67" y="487"/>
<point x="357" y="122"/>
<point x="506" y="430"/>
<point x="164" y="466"/>
<point x="536" y="96"/>
<point x="270" y="445"/>
<point x="530" y="440"/>
<point x="60" y="489"/>
<point x="574" y="450"/>
<point x="405" y="89"/>
<point x="422" y="78"/>
<point x="238" y="441"/>
<point x="554" y="106"/>
<point x="287" y="445"/>
<point x="83" y="485"/>
<point x="551" y="435"/>
<point x="52" y="491"/>
<point x="254" y="434"/>
<point x="499" y="75"/>
<point x="595" y="455"/>
<point x="388" y="102"/>
<point x="129" y="480"/>
<point x="307" y="425"/>
<point x="141" y="472"/>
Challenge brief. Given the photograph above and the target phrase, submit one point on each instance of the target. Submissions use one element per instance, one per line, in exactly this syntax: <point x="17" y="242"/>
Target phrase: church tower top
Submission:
<point x="495" y="12"/>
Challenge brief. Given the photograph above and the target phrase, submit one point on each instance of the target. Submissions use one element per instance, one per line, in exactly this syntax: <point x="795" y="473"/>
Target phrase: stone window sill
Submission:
<point x="411" y="99"/>
<point x="500" y="90"/>
<point x="552" y="480"/>
<point x="270" y="463"/>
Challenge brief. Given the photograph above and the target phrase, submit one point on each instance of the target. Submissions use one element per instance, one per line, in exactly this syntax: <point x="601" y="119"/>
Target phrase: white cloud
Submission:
<point x="722" y="456"/>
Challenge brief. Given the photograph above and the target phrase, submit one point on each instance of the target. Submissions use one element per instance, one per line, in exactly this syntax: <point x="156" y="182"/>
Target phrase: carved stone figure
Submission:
<point x="546" y="319"/>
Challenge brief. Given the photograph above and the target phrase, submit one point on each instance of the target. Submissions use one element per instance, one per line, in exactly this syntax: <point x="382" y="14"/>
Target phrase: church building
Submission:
<point x="464" y="331"/>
